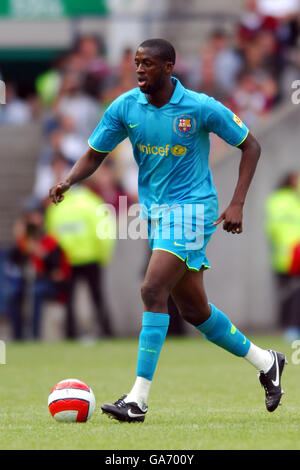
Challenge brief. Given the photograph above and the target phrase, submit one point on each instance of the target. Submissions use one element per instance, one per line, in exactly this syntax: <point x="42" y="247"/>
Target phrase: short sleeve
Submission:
<point x="110" y="130"/>
<point x="223" y="122"/>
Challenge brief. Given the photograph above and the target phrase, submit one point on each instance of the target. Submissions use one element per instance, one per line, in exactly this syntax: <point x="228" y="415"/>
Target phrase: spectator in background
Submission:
<point x="271" y="61"/>
<point x="256" y="90"/>
<point x="278" y="9"/>
<point x="97" y="72"/>
<point x="75" y="104"/>
<point x="279" y="17"/>
<point x="48" y="267"/>
<point x="123" y="79"/>
<point x="282" y="226"/>
<point x="252" y="22"/>
<point x="218" y="66"/>
<point x="79" y="61"/>
<point x="88" y="238"/>
<point x="266" y="35"/>
<point x="75" y="111"/>
<point x="48" y="83"/>
<point x="49" y="173"/>
<point x="16" y="111"/>
<point x="253" y="97"/>
<point x="285" y="16"/>
<point x="260" y="56"/>
<point x="50" y="147"/>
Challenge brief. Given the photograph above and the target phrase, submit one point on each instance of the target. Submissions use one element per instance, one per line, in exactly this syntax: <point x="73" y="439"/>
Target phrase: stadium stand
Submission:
<point x="206" y="36"/>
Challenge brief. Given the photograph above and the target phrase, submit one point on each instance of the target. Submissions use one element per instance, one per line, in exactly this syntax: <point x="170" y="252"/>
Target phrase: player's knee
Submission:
<point x="153" y="293"/>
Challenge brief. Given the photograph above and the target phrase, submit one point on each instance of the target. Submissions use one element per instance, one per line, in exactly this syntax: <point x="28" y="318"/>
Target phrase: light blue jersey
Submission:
<point x="171" y="147"/>
<point x="170" y="144"/>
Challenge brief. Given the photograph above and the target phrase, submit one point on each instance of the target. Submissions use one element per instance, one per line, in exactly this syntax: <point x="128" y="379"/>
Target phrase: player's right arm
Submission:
<point x="107" y="135"/>
<point x="83" y="168"/>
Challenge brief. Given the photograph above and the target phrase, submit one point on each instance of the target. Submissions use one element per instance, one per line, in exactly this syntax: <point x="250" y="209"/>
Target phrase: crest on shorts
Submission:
<point x="184" y="125"/>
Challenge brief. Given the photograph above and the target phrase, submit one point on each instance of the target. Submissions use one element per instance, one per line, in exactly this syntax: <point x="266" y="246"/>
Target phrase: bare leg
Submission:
<point x="163" y="273"/>
<point x="190" y="297"/>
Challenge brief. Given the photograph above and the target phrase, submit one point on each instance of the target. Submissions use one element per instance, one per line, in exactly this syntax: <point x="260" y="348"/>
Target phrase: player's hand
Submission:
<point x="232" y="219"/>
<point x="56" y="192"/>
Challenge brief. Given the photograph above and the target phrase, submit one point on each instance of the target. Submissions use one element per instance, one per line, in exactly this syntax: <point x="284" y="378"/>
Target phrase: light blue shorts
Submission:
<point x="186" y="237"/>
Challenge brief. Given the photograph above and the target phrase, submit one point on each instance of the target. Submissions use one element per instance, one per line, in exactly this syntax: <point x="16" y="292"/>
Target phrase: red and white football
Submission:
<point x="71" y="400"/>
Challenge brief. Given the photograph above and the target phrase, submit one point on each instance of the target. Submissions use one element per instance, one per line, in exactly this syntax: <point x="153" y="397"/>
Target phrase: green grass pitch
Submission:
<point x="201" y="398"/>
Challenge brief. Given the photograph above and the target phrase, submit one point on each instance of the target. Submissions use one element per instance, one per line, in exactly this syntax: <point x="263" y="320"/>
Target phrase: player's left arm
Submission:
<point x="232" y="217"/>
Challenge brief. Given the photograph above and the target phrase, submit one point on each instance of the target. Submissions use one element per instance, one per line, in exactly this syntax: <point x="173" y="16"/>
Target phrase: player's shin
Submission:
<point x="219" y="330"/>
<point x="151" y="339"/>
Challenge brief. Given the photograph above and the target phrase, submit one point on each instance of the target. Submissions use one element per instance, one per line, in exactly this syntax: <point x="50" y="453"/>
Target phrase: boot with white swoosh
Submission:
<point x="122" y="411"/>
<point x="271" y="381"/>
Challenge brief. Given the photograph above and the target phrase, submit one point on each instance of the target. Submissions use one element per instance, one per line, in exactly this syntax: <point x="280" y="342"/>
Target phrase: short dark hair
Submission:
<point x="163" y="48"/>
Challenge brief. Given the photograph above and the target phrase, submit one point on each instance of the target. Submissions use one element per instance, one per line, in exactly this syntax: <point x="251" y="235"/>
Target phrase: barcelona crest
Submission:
<point x="184" y="125"/>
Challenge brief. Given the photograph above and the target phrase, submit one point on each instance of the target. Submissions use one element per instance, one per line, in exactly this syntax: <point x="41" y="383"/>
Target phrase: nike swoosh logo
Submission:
<point x="134" y="415"/>
<point x="276" y="381"/>
<point x="178" y="244"/>
<point x="133" y="125"/>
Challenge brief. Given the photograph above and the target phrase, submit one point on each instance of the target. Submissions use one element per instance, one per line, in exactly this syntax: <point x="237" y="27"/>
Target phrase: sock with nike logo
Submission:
<point x="151" y="340"/>
<point x="152" y="337"/>
<point x="219" y="330"/>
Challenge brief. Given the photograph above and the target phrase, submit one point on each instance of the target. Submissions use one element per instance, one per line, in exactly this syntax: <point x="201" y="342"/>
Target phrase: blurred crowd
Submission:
<point x="282" y="226"/>
<point x="250" y="69"/>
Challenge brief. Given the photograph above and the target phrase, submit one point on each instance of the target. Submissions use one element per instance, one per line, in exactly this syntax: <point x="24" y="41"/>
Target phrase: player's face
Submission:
<point x="151" y="71"/>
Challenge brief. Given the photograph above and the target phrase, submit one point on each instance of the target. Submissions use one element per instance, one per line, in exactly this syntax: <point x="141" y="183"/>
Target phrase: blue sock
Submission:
<point x="152" y="336"/>
<point x="219" y="330"/>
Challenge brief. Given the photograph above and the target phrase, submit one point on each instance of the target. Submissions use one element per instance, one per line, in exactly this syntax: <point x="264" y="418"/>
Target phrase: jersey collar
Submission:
<point x="175" y="98"/>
